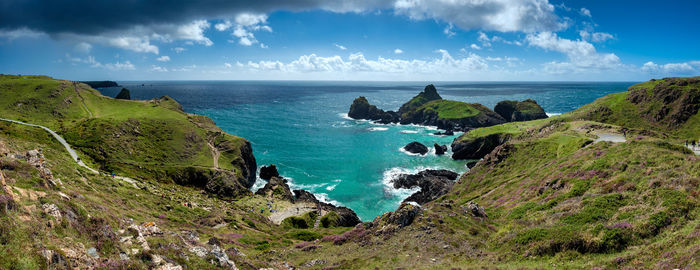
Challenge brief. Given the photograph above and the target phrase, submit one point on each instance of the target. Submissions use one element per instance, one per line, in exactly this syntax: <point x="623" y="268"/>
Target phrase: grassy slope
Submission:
<point x="122" y="136"/>
<point x="98" y="201"/>
<point x="449" y="109"/>
<point x="557" y="199"/>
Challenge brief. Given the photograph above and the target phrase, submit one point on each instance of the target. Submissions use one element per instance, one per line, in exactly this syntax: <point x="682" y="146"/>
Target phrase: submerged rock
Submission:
<point x="267" y="172"/>
<point x="416" y="148"/>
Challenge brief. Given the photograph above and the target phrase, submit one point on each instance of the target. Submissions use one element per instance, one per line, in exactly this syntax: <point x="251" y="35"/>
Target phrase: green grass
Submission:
<point x="449" y="109"/>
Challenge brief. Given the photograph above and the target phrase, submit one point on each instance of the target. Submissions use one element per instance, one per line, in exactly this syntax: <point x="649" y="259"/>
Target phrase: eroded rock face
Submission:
<point x="267" y="172"/>
<point x="464" y="147"/>
<point x="433" y="184"/>
<point x="402" y="217"/>
<point x="525" y="110"/>
<point x="346" y="217"/>
<point x="679" y="98"/>
<point x="361" y="109"/>
<point x="416" y="148"/>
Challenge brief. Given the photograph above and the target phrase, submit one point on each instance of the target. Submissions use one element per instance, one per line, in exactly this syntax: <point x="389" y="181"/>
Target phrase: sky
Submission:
<point x="374" y="40"/>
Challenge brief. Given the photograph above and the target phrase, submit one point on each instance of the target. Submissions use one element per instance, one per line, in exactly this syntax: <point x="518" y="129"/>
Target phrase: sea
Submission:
<point x="302" y="127"/>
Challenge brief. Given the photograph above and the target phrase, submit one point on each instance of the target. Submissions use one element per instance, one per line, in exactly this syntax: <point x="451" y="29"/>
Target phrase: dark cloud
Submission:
<point x="98" y="16"/>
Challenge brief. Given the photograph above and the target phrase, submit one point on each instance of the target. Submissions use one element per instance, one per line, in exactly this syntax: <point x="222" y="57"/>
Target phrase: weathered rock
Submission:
<point x="54" y="259"/>
<point x="124" y="94"/>
<point x="433" y="184"/>
<point x="525" y="110"/>
<point x="361" y="109"/>
<point x="301" y="195"/>
<point x="429" y="94"/>
<point x="416" y="148"/>
<point x="475" y="210"/>
<point x="51" y="210"/>
<point x="471" y="164"/>
<point x="276" y="188"/>
<point x="440" y="149"/>
<point x="346" y="217"/>
<point x="446" y="133"/>
<point x="267" y="172"/>
<point x="467" y="147"/>
<point x="402" y="217"/>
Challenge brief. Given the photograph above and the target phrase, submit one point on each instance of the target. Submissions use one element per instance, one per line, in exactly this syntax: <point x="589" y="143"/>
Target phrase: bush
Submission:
<point x="615" y="239"/>
<point x="531" y="236"/>
<point x="295" y="222"/>
<point x="330" y="219"/>
<point x="304" y="235"/>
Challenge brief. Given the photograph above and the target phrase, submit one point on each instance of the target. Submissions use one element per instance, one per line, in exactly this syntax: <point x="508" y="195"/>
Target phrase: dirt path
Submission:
<point x="82" y="101"/>
<point x="295" y="210"/>
<point x="73" y="153"/>
<point x="609" y="137"/>
<point x="215" y="154"/>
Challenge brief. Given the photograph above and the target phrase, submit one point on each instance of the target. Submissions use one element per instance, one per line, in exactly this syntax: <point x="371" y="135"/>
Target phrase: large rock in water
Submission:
<point x="440" y="149"/>
<point x="124" y="94"/>
<point x="361" y="109"/>
<point x="276" y="188"/>
<point x="416" y="148"/>
<point x="267" y="172"/>
<point x="433" y="184"/>
<point x="525" y="110"/>
<point x="468" y="147"/>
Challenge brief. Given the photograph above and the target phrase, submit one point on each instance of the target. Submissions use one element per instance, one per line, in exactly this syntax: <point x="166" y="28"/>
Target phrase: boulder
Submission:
<point x="124" y="94"/>
<point x="440" y="149"/>
<point x="416" y="148"/>
<point x="468" y="147"/>
<point x="267" y="172"/>
<point x="525" y="110"/>
<point x="433" y="184"/>
<point x="402" y="217"/>
<point x="345" y="216"/>
<point x="474" y="209"/>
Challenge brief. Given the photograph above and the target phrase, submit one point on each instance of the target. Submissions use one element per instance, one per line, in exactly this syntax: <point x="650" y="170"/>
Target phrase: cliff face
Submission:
<point x="428" y="94"/>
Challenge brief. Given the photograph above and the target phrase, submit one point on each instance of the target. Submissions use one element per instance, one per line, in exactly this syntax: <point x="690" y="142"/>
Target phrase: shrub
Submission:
<point x="304" y="235"/>
<point x="295" y="222"/>
<point x="330" y="219"/>
<point x="615" y="239"/>
<point x="531" y="236"/>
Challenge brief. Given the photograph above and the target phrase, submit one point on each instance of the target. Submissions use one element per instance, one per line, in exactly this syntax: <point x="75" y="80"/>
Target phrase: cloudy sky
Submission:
<point x="460" y="40"/>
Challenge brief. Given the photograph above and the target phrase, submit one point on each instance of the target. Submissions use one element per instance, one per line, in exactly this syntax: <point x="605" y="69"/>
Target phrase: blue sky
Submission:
<point x="441" y="40"/>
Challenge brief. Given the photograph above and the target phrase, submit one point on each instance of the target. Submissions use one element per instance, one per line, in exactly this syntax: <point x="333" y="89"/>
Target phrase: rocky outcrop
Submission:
<point x="267" y="172"/>
<point x="246" y="161"/>
<point x="467" y="147"/>
<point x="440" y="149"/>
<point x="416" y="148"/>
<point x="101" y="84"/>
<point x="402" y="217"/>
<point x="432" y="183"/>
<point x="430" y="115"/>
<point x="670" y="103"/>
<point x="525" y="110"/>
<point x="276" y="188"/>
<point x="124" y="94"/>
<point x="361" y="109"/>
<point x="448" y="132"/>
<point x="429" y="94"/>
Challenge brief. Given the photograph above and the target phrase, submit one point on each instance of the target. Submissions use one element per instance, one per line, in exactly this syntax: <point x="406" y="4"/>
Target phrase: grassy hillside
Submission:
<point x="84" y="212"/>
<point x="151" y="139"/>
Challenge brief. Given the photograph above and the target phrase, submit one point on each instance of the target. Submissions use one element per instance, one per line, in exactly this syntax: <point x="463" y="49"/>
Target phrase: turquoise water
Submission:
<point x="302" y="128"/>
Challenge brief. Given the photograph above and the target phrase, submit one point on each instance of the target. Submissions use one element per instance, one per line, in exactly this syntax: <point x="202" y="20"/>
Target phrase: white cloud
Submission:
<point x="448" y="30"/>
<point x="223" y="26"/>
<point x="158" y="68"/>
<point x="179" y="49"/>
<point x="341" y="47"/>
<point x="132" y="43"/>
<point x="671" y="69"/>
<point x="83" y="47"/>
<point x="595" y="37"/>
<point x="585" y="12"/>
<point x="20" y="33"/>
<point x="357" y="62"/>
<point x="194" y="31"/>
<point x="498" y="15"/>
<point x="245" y="25"/>
<point x="120" y="66"/>
<point x="163" y="58"/>
<point x="92" y="62"/>
<point x="475" y="47"/>
<point x="581" y="54"/>
<point x="484" y="39"/>
<point x="227" y="65"/>
<point x="398" y="51"/>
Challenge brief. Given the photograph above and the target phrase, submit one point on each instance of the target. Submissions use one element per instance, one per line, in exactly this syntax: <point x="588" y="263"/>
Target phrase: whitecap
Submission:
<point x="323" y="197"/>
<point x="388" y="178"/>
<point x="331" y="187"/>
<point x="409" y="131"/>
<point x="552" y="114"/>
<point x="378" y="129"/>
<point x="345" y="116"/>
<point x="413" y="154"/>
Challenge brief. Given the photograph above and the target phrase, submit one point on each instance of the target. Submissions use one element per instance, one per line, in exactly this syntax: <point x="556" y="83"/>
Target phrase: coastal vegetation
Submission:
<point x="609" y="185"/>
